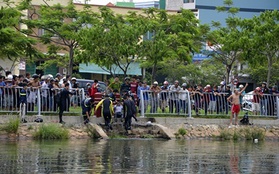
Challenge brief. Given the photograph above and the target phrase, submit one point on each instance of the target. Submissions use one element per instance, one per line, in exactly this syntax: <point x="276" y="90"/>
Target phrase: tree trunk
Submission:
<point x="154" y="71"/>
<point x="228" y="68"/>
<point x="71" y="61"/>
<point x="269" y="58"/>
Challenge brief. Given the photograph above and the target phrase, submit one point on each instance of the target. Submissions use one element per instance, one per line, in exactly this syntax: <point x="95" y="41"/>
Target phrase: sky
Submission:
<point x="104" y="2"/>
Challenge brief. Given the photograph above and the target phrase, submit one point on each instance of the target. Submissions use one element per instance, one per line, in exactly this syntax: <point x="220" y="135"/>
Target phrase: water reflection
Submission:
<point x="138" y="156"/>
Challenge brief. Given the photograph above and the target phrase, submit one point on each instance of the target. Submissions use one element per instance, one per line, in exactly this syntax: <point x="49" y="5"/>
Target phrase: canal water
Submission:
<point x="138" y="156"/>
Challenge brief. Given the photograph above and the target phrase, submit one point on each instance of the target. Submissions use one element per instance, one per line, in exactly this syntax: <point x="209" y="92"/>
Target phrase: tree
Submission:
<point x="226" y="41"/>
<point x="261" y="41"/>
<point x="172" y="37"/>
<point x="57" y="27"/>
<point x="14" y="45"/>
<point x="113" y="42"/>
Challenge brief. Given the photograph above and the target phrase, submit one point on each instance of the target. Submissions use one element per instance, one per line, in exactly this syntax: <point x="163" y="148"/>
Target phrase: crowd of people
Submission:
<point x="59" y="93"/>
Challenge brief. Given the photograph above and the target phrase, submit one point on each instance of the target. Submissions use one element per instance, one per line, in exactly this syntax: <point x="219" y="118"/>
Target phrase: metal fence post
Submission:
<point x="189" y="105"/>
<point x="141" y="103"/>
<point x="39" y="102"/>
<point x="277" y="104"/>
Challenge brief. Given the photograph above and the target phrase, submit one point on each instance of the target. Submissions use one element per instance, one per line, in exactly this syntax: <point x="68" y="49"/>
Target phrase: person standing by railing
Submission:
<point x="155" y="90"/>
<point x="174" y="100"/>
<point x="183" y="98"/>
<point x="264" y="99"/>
<point x="2" y="85"/>
<point x="8" y="92"/>
<point x="23" y="102"/>
<point x="64" y="97"/>
<point x="197" y="95"/>
<point x="164" y="95"/>
<point x="256" y="101"/>
<point x="145" y="98"/>
<point x="273" y="100"/>
<point x="34" y="85"/>
<point x="227" y="94"/>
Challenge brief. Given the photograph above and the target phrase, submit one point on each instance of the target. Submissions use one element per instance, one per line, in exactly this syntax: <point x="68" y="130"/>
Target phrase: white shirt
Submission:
<point x="118" y="108"/>
<point x="183" y="93"/>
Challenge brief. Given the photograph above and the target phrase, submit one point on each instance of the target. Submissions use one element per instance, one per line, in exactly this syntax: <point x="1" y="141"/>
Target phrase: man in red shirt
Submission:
<point x="94" y="88"/>
<point x="134" y="85"/>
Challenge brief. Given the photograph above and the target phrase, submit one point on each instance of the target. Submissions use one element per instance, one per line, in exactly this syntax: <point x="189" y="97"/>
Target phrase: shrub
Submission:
<point x="182" y="131"/>
<point x="12" y="126"/>
<point x="258" y="134"/>
<point x="51" y="131"/>
<point x="225" y="134"/>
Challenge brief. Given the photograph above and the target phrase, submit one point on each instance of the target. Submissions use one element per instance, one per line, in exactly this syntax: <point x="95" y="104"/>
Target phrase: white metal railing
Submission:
<point x="206" y="103"/>
<point x="39" y="100"/>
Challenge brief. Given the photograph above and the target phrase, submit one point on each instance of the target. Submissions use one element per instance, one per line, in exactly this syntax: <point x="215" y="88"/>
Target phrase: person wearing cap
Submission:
<point x="234" y="100"/>
<point x="107" y="110"/>
<point x="264" y="104"/>
<point x="183" y="99"/>
<point x="155" y="90"/>
<point x="86" y="106"/>
<point x="206" y="97"/>
<point x="174" y="100"/>
<point x="241" y="95"/>
<point x="164" y="96"/>
<point x="125" y="86"/>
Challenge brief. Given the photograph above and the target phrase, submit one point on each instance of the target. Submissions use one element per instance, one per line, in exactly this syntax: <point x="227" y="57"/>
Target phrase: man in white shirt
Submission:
<point x="183" y="97"/>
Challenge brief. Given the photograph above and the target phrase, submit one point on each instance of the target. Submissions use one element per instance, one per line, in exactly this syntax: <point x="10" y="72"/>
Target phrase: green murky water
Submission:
<point x="139" y="156"/>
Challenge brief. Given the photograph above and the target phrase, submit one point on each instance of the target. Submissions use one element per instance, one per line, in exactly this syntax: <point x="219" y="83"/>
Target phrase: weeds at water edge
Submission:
<point x="11" y="127"/>
<point x="51" y="131"/>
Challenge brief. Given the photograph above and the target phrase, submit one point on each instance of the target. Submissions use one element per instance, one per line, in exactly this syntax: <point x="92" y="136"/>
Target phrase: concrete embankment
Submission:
<point x="161" y="127"/>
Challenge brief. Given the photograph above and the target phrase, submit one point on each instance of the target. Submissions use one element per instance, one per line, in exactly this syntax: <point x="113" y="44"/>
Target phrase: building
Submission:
<point x="207" y="13"/>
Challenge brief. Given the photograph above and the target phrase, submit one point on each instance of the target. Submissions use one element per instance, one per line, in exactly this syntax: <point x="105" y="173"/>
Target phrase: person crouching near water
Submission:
<point x="234" y="100"/>
<point x="86" y="106"/>
<point x="118" y="108"/>
<point x="129" y="109"/>
<point x="107" y="110"/>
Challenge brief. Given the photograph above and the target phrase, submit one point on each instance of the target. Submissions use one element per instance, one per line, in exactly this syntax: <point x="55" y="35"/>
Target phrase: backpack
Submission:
<point x="245" y="119"/>
<point x="39" y="120"/>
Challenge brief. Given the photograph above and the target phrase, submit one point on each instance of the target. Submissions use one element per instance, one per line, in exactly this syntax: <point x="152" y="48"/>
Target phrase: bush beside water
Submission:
<point x="11" y="127"/>
<point x="51" y="131"/>
<point x="246" y="133"/>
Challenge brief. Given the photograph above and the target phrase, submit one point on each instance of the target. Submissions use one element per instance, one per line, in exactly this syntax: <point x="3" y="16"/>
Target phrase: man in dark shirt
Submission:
<point x="87" y="105"/>
<point x="64" y="98"/>
<point x="126" y="86"/>
<point x="129" y="109"/>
